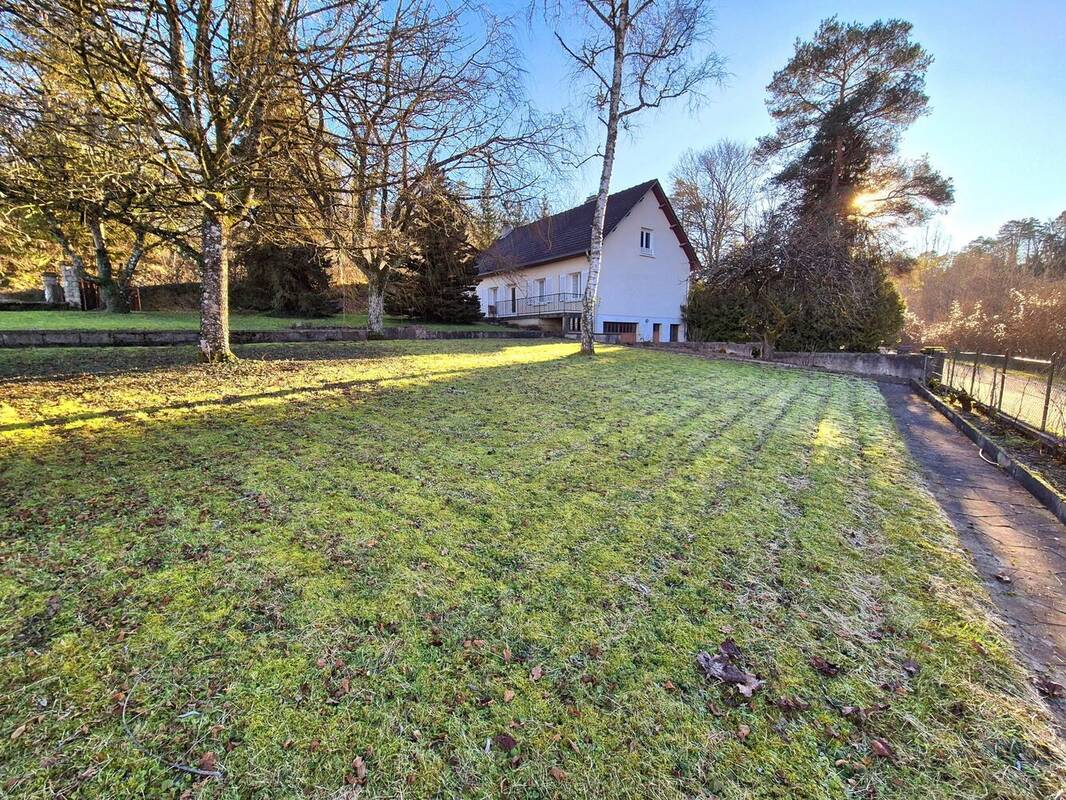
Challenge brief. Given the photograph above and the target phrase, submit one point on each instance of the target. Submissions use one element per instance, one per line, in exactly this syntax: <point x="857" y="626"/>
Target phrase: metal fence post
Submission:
<point x="973" y="374"/>
<point x="1047" y="393"/>
<point x="1003" y="380"/>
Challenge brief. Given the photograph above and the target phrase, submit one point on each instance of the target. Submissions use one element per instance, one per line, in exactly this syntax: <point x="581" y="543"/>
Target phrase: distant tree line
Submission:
<point x="997" y="294"/>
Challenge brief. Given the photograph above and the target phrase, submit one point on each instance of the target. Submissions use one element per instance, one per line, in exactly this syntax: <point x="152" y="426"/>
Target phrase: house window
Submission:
<point x="540" y="288"/>
<point x="619" y="327"/>
<point x="575" y="283"/>
<point x="492" y="295"/>
<point x="645" y="242"/>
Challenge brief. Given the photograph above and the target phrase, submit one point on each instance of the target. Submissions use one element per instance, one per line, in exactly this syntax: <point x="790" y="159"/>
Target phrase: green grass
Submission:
<point x="187" y="320"/>
<point x="332" y="552"/>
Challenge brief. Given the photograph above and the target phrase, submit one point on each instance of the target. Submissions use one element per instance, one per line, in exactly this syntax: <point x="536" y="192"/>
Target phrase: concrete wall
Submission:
<point x="163" y="338"/>
<point x="634" y="286"/>
<point x="878" y="366"/>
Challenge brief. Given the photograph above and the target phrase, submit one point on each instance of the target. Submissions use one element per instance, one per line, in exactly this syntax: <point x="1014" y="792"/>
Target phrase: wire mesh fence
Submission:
<point x="1029" y="390"/>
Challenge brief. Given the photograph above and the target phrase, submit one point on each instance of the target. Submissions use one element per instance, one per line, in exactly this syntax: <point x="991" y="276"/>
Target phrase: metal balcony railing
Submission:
<point x="536" y="306"/>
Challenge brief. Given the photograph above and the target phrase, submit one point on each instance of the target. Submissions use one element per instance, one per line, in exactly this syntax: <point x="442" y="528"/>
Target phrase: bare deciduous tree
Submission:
<point x="636" y="55"/>
<point x="427" y="95"/>
<point x="714" y="192"/>
<point x="199" y="76"/>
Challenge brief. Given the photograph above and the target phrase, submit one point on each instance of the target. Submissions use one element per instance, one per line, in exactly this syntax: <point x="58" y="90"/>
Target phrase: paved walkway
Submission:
<point x="1018" y="546"/>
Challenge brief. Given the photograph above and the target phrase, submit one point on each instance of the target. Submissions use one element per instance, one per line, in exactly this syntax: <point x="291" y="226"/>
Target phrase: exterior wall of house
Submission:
<point x="645" y="289"/>
<point x="635" y="287"/>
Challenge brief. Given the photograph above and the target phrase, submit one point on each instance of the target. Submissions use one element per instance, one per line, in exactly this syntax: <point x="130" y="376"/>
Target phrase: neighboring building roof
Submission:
<point x="567" y="234"/>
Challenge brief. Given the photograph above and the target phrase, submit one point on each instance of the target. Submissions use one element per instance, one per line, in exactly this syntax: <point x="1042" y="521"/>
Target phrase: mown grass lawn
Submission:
<point x="190" y="321"/>
<point x="485" y="568"/>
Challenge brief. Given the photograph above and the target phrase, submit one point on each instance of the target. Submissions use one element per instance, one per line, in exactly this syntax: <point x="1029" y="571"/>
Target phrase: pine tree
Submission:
<point x="438" y="282"/>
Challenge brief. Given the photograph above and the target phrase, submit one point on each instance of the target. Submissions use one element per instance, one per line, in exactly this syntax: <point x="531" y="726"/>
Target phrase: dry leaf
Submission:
<point x="21" y="729"/>
<point x="536" y="673"/>
<point x="743" y="732"/>
<point x="720" y="667"/>
<point x="208" y="761"/>
<point x="827" y="668"/>
<point x="360" y="769"/>
<point x="508" y="695"/>
<point x="882" y="748"/>
<point x="506" y="742"/>
<point x="557" y="773"/>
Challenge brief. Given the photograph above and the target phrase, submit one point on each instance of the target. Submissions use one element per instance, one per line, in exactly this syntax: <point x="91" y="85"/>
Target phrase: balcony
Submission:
<point x="546" y="305"/>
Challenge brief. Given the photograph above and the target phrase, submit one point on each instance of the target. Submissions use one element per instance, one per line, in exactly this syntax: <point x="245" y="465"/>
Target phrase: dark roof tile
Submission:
<point x="559" y="236"/>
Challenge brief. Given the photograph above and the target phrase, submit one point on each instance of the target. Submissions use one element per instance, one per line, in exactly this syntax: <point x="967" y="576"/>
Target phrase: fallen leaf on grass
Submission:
<point x="882" y="749"/>
<point x="743" y="732"/>
<point x="911" y="667"/>
<point x="557" y="773"/>
<point x="208" y="761"/>
<point x="1046" y="687"/>
<point x="506" y="742"/>
<point x="827" y="668"/>
<point x="720" y="667"/>
<point x="21" y="729"/>
<point x="536" y="673"/>
<point x="508" y="696"/>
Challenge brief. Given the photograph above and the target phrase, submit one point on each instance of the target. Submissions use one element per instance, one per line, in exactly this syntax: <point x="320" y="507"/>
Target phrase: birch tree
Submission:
<point x="635" y="55"/>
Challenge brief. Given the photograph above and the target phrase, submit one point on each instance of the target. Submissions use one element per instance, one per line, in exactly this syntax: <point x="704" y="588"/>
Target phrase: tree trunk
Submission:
<point x="214" y="292"/>
<point x="375" y="309"/>
<point x="113" y="296"/>
<point x="592" y="285"/>
<point x="112" y="292"/>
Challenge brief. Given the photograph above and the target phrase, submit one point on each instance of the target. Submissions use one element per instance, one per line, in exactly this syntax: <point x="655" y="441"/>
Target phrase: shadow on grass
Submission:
<point x="53" y="365"/>
<point x="298" y="352"/>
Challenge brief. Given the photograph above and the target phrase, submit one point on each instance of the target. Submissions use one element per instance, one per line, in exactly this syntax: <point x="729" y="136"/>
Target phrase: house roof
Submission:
<point x="567" y="234"/>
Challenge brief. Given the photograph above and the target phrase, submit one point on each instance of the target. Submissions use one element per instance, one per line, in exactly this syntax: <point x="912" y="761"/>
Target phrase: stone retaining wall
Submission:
<point x="889" y="367"/>
<point x="83" y="338"/>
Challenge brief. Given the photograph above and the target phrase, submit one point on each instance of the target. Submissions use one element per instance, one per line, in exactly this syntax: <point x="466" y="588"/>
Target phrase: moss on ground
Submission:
<point x="443" y="569"/>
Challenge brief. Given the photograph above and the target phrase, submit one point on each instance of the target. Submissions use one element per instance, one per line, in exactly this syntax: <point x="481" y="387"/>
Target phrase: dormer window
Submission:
<point x="646" y="242"/>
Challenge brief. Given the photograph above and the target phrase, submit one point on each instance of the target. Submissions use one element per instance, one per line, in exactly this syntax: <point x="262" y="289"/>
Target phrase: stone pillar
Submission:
<point x="71" y="291"/>
<point x="52" y="294"/>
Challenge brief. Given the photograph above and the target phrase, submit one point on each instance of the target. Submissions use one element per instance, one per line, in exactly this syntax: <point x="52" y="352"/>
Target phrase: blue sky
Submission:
<point x="997" y="92"/>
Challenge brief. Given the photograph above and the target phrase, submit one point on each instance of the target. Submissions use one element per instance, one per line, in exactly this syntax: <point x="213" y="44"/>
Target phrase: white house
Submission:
<point x="535" y="274"/>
